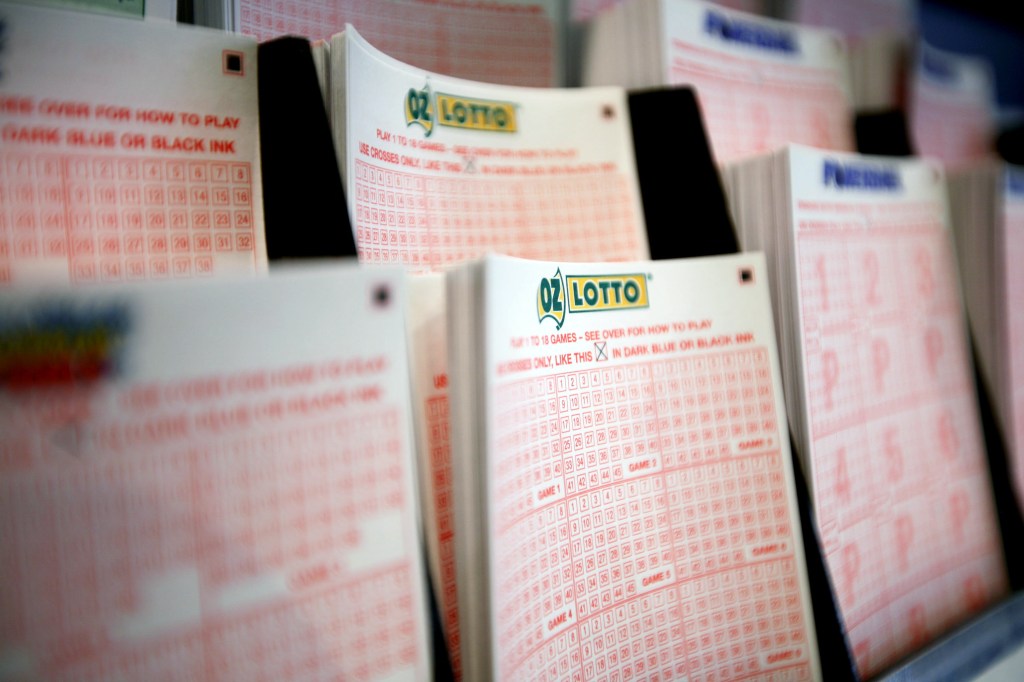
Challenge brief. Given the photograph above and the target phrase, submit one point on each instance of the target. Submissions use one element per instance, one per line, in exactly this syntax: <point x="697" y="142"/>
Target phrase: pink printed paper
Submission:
<point x="494" y="42"/>
<point x="117" y="163"/>
<point x="641" y="518"/>
<point x="532" y="173"/>
<point x="952" y="107"/>
<point x="899" y="474"/>
<point x="205" y="506"/>
<point x="787" y="84"/>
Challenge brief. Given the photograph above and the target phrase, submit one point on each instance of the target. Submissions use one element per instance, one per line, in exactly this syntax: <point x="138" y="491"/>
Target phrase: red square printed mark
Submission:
<point x="131" y="195"/>
<point x="158" y="244"/>
<point x="204" y="265"/>
<point x="152" y="170"/>
<point x="135" y="269"/>
<point x="132" y="219"/>
<point x="134" y="244"/>
<point x="200" y="196"/>
<point x="110" y="245"/>
<point x="55" y="246"/>
<point x="155" y="220"/>
<point x="176" y="171"/>
<point x="233" y="62"/>
<point x="179" y="243"/>
<point x="85" y="271"/>
<point x="110" y="269"/>
<point x="177" y="195"/>
<point x="178" y="219"/>
<point x="219" y="172"/>
<point x="82" y="246"/>
<point x="240" y="172"/>
<point x="154" y="195"/>
<point x="181" y="266"/>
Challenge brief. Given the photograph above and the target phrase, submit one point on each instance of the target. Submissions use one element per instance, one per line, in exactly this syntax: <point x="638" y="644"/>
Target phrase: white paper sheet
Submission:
<point x="118" y="162"/>
<point x="439" y="170"/>
<point x="762" y="83"/>
<point x="514" y="42"/>
<point x="430" y="196"/>
<point x="640" y="507"/>
<point x="210" y="481"/>
<point x="897" y="464"/>
<point x="951" y="106"/>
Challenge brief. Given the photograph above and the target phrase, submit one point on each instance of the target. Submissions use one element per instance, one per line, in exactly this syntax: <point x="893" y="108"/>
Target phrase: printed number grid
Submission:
<point x="588" y="9"/>
<point x="751" y="106"/>
<point x="441" y="471"/>
<point x="950" y="126"/>
<point x="83" y="543"/>
<point x="870" y="16"/>
<point x="899" y="478"/>
<point x="123" y="218"/>
<point x="643" y="527"/>
<point x="430" y="223"/>
<point x="508" y="45"/>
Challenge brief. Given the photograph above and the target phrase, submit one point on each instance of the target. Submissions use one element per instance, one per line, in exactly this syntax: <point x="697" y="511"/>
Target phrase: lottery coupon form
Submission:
<point x="623" y="473"/>
<point x="515" y="42"/>
<point x="761" y="82"/>
<point x="181" y="502"/>
<point x="881" y="391"/>
<point x="128" y="150"/>
<point x="439" y="171"/>
<point x="952" y="106"/>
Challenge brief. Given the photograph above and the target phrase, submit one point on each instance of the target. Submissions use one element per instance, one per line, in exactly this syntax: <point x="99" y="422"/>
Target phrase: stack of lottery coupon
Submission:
<point x="761" y="82"/>
<point x="513" y="42"/>
<point x="624" y="493"/>
<point x="438" y="171"/>
<point x="952" y="106"/>
<point x="178" y="501"/>
<point x="880" y="388"/>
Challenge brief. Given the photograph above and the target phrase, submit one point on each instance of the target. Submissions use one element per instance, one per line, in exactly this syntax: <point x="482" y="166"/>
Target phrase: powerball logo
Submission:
<point x="61" y="344"/>
<point x="561" y="294"/>
<point x="424" y="108"/>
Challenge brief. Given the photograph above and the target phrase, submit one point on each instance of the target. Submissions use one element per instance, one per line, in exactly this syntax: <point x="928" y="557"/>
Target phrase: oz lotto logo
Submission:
<point x="419" y="109"/>
<point x="551" y="299"/>
<point x="562" y="294"/>
<point x="427" y="109"/>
